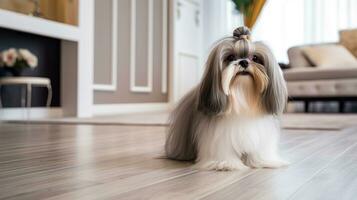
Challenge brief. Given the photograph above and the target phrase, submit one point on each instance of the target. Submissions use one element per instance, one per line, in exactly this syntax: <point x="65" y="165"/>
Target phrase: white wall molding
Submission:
<point x="40" y="26"/>
<point x="172" y="9"/>
<point x="105" y="109"/>
<point x="133" y="86"/>
<point x="114" y="65"/>
<point x="164" y="47"/>
<point x="85" y="66"/>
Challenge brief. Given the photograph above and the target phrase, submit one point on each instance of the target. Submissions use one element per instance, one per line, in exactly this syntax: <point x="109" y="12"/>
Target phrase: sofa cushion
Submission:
<point x="320" y="73"/>
<point x="328" y="56"/>
<point x="323" y="88"/>
<point x="348" y="38"/>
<point x="297" y="58"/>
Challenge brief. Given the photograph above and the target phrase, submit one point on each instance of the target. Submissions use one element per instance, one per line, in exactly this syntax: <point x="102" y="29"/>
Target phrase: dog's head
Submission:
<point x="241" y="76"/>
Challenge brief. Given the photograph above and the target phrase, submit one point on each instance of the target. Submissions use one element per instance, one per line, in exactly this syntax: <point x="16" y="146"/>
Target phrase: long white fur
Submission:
<point x="239" y="136"/>
<point x="226" y="142"/>
<point x="233" y="125"/>
<point x="227" y="75"/>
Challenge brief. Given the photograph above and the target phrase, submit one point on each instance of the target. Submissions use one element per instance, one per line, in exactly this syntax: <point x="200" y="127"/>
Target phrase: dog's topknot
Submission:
<point x="241" y="32"/>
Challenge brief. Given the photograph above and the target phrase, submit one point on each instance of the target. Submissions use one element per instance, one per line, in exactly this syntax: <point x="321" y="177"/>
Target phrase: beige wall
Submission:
<point x="103" y="42"/>
<point x="65" y="11"/>
<point x="103" y="49"/>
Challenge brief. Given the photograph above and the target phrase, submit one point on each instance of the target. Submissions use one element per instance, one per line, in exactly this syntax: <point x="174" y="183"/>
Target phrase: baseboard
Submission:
<point x="29" y="113"/>
<point x="110" y="109"/>
<point x="98" y="110"/>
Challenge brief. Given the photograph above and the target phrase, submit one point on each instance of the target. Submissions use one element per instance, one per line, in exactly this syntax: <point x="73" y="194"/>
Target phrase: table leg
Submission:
<point x="49" y="95"/>
<point x="23" y="96"/>
<point x="29" y="95"/>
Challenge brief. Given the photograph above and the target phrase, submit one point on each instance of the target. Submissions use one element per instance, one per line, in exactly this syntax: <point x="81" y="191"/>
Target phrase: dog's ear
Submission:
<point x="212" y="100"/>
<point x="275" y="96"/>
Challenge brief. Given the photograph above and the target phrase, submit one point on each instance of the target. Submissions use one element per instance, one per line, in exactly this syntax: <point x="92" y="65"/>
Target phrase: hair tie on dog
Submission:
<point x="242" y="32"/>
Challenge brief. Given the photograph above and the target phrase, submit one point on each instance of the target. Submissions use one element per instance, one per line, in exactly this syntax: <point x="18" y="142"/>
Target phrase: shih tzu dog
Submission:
<point x="230" y="120"/>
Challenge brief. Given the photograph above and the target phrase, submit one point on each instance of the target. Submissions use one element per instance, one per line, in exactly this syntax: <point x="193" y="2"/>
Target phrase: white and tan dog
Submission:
<point x="230" y="120"/>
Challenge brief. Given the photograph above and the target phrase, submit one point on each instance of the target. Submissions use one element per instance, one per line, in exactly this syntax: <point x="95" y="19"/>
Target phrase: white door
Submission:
<point x="187" y="48"/>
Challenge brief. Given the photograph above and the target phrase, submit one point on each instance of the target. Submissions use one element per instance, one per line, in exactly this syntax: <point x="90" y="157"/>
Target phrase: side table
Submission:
<point x="28" y="82"/>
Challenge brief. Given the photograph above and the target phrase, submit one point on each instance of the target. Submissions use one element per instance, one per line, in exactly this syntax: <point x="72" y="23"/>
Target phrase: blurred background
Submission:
<point x="100" y="57"/>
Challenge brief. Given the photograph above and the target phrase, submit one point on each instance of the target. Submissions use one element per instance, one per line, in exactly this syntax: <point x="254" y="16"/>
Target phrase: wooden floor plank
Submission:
<point x="192" y="186"/>
<point x="337" y="181"/>
<point x="39" y="161"/>
<point x="281" y="183"/>
<point x="65" y="154"/>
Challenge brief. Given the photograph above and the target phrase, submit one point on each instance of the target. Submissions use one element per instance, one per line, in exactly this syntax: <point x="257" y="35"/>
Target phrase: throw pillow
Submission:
<point x="348" y="38"/>
<point x="333" y="55"/>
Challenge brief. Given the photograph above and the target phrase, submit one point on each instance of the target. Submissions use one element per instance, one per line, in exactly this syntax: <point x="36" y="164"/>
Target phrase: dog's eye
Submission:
<point x="230" y="58"/>
<point x="256" y="59"/>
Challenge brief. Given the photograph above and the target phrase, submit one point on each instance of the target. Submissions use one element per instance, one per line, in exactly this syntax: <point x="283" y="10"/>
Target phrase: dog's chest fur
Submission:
<point x="236" y="136"/>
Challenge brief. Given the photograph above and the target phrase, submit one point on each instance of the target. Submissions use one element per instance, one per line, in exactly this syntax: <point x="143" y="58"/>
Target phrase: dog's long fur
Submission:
<point x="230" y="121"/>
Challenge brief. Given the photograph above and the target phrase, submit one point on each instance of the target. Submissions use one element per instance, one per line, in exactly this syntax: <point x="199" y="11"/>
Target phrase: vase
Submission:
<point x="15" y="71"/>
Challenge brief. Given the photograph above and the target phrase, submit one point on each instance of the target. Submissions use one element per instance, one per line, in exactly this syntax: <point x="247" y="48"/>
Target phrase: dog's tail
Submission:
<point x="180" y="141"/>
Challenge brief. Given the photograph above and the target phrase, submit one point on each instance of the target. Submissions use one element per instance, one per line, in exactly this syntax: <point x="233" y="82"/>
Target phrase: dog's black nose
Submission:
<point x="243" y="63"/>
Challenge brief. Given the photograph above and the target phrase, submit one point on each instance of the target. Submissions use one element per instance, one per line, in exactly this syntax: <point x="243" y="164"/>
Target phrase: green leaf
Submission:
<point x="242" y="6"/>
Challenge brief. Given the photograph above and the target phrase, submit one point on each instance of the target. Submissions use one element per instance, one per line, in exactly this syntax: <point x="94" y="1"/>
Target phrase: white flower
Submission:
<point x="30" y="58"/>
<point x="9" y="57"/>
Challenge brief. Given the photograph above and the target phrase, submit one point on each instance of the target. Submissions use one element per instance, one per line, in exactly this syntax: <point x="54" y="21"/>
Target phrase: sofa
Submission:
<point x="324" y="72"/>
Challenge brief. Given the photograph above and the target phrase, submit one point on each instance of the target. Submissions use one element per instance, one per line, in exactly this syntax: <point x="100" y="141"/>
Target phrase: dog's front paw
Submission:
<point x="274" y="163"/>
<point x="257" y="162"/>
<point x="224" y="165"/>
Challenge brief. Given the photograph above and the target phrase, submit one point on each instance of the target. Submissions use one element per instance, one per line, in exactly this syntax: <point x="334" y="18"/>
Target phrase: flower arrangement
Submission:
<point x="250" y="9"/>
<point x="17" y="60"/>
<point x="243" y="6"/>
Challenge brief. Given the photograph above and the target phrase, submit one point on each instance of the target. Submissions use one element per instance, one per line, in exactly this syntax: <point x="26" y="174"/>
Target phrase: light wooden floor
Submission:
<point x="122" y="162"/>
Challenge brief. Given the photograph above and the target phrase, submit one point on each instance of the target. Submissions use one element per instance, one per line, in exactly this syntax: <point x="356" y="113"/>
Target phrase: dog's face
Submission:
<point x="242" y="77"/>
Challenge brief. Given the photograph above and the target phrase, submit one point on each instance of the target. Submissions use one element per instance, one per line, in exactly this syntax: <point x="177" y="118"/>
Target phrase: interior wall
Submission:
<point x="103" y="42"/>
<point x="65" y="11"/>
<point x="214" y="23"/>
<point x="286" y="23"/>
<point x="139" y="65"/>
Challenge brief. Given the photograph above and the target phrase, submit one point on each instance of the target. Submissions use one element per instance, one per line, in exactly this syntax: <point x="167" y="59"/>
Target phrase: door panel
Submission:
<point x="188" y="73"/>
<point x="188" y="46"/>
